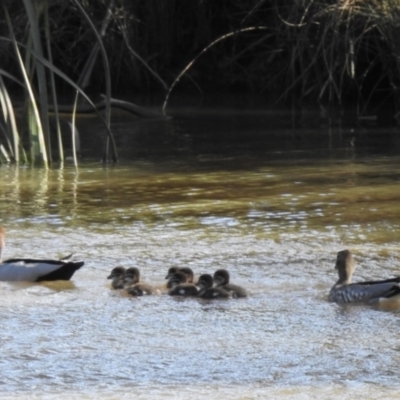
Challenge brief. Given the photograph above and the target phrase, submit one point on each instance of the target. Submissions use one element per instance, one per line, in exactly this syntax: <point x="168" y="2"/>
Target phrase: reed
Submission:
<point x="38" y="78"/>
<point x="339" y="53"/>
<point x="333" y="53"/>
<point x="9" y="128"/>
<point x="205" y="50"/>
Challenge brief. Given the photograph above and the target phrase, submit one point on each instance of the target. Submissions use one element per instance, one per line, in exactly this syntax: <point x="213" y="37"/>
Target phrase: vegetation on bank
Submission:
<point x="333" y="53"/>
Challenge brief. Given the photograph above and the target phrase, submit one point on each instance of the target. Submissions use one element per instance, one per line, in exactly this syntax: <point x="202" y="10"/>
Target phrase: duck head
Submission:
<point x="116" y="272"/>
<point x="171" y="271"/>
<point x="345" y="266"/>
<point x="117" y="276"/>
<point x="205" y="281"/>
<point x="189" y="274"/>
<point x="131" y="276"/>
<point x="221" y="277"/>
<point x="176" y="279"/>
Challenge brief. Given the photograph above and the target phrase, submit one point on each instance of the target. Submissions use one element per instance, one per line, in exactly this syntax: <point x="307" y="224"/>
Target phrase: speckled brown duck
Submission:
<point x="344" y="291"/>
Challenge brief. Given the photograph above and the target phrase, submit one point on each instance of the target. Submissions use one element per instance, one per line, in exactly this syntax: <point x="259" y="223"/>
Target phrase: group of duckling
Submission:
<point x="180" y="282"/>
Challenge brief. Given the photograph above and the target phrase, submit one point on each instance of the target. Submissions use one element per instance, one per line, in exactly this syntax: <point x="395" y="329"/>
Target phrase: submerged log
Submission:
<point x="101" y="105"/>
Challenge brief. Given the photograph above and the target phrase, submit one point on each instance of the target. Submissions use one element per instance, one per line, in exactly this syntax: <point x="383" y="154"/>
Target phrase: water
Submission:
<point x="274" y="211"/>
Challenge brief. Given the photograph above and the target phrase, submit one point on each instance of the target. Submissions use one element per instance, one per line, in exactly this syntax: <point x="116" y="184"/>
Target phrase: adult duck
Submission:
<point x="32" y="270"/>
<point x="35" y="270"/>
<point x="343" y="291"/>
<point x="221" y="279"/>
<point x="207" y="291"/>
<point x="134" y="287"/>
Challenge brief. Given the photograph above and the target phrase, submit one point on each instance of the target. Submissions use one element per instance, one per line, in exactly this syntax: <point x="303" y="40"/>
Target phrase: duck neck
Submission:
<point x="344" y="277"/>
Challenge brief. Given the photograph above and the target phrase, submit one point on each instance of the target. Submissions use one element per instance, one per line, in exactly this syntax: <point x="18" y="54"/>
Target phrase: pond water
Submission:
<point x="207" y="190"/>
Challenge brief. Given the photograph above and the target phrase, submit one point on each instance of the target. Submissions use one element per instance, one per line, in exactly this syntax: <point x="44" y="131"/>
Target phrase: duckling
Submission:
<point x="205" y="283"/>
<point x="134" y="287"/>
<point x="142" y="289"/>
<point x="221" y="279"/>
<point x="189" y="274"/>
<point x="131" y="276"/>
<point x="173" y="270"/>
<point x="117" y="276"/>
<point x="176" y="279"/>
<point x="180" y="286"/>
<point x="343" y="291"/>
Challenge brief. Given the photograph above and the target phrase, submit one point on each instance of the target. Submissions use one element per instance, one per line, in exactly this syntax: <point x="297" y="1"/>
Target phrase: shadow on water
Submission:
<point x="211" y="136"/>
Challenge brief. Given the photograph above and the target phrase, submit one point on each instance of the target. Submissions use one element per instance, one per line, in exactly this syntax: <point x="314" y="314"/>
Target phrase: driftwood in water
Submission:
<point x="101" y="105"/>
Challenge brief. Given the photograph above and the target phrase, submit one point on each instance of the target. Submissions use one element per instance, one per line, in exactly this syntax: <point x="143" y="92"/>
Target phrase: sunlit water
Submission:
<point x="273" y="209"/>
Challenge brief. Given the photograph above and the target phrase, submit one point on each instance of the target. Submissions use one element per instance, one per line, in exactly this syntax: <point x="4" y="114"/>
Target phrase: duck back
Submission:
<point x="184" y="289"/>
<point x="142" y="289"/>
<point x="21" y="269"/>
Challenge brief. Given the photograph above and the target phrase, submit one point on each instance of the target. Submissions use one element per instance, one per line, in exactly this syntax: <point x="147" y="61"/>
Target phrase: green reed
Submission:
<point x="338" y="52"/>
<point x="34" y="61"/>
<point x="331" y="53"/>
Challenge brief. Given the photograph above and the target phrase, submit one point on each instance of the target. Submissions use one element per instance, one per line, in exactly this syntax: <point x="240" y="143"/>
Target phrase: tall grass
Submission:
<point x="38" y="76"/>
<point x="342" y="53"/>
<point x="205" y="50"/>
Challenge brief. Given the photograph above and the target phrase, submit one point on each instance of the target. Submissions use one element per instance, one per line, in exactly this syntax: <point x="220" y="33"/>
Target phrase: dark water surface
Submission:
<point x="206" y="190"/>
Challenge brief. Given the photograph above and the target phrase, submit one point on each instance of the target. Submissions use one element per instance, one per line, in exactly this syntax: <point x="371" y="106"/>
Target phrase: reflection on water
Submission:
<point x="282" y="198"/>
<point x="274" y="212"/>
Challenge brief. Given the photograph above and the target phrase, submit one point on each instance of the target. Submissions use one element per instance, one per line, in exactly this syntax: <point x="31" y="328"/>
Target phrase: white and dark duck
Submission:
<point x="179" y="285"/>
<point x="221" y="279"/>
<point x="207" y="291"/>
<point x="35" y="270"/>
<point x="134" y="286"/>
<point x="375" y="291"/>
